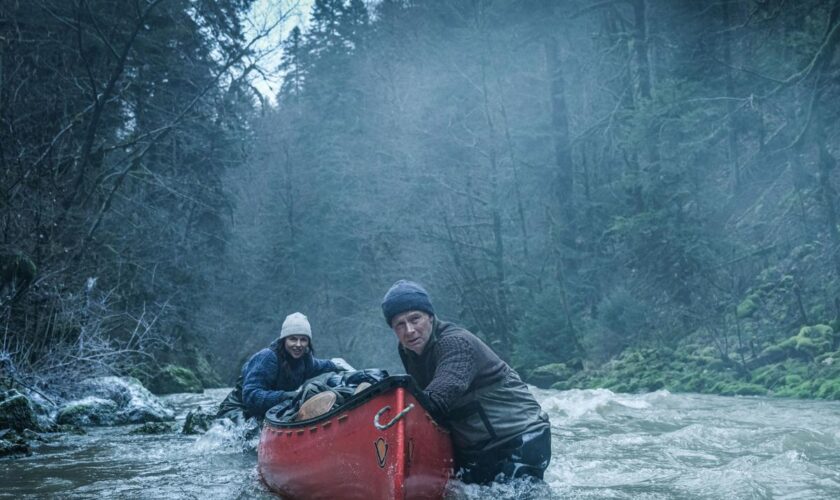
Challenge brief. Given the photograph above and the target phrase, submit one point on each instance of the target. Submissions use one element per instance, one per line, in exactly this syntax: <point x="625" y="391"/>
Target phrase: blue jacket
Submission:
<point x="265" y="383"/>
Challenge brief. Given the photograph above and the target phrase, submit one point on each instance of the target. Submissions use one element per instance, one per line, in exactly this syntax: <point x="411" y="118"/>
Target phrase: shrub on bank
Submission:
<point x="646" y="370"/>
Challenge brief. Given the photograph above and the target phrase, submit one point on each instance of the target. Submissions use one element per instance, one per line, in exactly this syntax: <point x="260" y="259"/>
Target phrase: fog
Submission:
<point x="570" y="180"/>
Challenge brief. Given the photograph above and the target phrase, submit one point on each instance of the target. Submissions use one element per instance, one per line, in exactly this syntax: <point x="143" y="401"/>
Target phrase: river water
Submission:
<point x="605" y="445"/>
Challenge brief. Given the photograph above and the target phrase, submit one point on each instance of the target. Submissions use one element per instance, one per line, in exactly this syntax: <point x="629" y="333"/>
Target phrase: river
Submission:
<point x="605" y="445"/>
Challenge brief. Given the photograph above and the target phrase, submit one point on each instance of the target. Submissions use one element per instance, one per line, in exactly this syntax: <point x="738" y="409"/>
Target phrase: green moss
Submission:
<point x="814" y="340"/>
<point x="734" y="388"/>
<point x="780" y="370"/>
<point x="174" y="378"/>
<point x="16" y="412"/>
<point x="768" y="375"/>
<point x="88" y="411"/>
<point x="829" y="389"/>
<point x="206" y="373"/>
<point x="747" y="307"/>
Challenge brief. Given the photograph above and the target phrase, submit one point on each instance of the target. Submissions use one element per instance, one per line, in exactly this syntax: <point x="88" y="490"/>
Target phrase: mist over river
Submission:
<point x="605" y="445"/>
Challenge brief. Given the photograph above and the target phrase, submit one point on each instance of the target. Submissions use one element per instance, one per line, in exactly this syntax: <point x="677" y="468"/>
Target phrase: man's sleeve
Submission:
<point x="454" y="374"/>
<point x="258" y="376"/>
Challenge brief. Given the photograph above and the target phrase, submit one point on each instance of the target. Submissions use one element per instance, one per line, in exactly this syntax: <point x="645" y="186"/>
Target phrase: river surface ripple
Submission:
<point x="605" y="445"/>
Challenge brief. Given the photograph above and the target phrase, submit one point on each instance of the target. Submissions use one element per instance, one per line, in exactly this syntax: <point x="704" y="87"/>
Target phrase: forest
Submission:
<point x="629" y="194"/>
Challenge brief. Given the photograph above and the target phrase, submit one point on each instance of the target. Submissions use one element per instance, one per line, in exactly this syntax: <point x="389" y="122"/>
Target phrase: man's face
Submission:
<point x="296" y="345"/>
<point x="413" y="329"/>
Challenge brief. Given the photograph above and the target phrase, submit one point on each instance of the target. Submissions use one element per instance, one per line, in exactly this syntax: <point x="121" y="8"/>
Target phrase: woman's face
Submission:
<point x="297" y="345"/>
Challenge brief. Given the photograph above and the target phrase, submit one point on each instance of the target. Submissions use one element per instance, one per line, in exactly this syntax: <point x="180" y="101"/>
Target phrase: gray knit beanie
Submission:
<point x="296" y="324"/>
<point x="405" y="296"/>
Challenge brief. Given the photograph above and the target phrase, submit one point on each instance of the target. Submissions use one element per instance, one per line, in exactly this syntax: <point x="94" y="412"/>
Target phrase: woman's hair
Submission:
<point x="286" y="358"/>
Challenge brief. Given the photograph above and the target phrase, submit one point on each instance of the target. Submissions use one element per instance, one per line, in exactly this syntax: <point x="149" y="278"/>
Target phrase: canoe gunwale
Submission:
<point x="381" y="387"/>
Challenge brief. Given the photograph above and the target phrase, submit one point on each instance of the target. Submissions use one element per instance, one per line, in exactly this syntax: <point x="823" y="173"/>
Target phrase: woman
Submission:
<point x="276" y="372"/>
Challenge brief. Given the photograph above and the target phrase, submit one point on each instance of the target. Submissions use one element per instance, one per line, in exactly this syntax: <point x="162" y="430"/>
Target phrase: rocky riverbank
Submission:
<point x="27" y="415"/>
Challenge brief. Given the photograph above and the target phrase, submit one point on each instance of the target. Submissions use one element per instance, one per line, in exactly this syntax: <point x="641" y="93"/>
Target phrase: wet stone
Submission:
<point x="11" y="443"/>
<point x="198" y="421"/>
<point x="16" y="412"/>
<point x="114" y="401"/>
<point x="88" y="411"/>
<point x="153" y="428"/>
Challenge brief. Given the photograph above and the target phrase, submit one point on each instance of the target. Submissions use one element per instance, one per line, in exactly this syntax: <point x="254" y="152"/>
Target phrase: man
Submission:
<point x="498" y="429"/>
<point x="275" y="373"/>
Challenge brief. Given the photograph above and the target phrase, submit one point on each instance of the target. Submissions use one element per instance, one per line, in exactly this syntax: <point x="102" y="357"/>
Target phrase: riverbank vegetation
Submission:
<point x="638" y="194"/>
<point x="118" y="121"/>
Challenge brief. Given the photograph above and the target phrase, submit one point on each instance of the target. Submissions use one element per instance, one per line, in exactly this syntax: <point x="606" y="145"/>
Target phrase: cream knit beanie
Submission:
<point x="296" y="324"/>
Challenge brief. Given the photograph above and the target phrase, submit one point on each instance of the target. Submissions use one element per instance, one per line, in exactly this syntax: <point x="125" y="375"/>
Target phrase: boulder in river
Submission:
<point x="130" y="403"/>
<point x="198" y="421"/>
<point x="90" y="410"/>
<point x="16" y="412"/>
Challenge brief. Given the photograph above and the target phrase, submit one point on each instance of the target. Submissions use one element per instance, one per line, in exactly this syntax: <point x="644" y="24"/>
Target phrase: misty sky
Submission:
<point x="264" y="12"/>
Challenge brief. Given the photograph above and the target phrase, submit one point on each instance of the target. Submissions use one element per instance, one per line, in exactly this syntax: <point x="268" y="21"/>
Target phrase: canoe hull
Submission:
<point x="344" y="455"/>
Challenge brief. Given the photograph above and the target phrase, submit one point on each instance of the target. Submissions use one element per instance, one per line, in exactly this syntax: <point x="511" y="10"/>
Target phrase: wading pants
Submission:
<point x="526" y="455"/>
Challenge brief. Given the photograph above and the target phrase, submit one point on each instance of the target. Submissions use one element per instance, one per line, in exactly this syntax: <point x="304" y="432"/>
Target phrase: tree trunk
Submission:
<point x="564" y="169"/>
<point x="732" y="135"/>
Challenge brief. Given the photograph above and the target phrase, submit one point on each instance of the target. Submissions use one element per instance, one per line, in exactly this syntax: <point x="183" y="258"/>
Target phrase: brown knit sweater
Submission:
<point x="453" y="363"/>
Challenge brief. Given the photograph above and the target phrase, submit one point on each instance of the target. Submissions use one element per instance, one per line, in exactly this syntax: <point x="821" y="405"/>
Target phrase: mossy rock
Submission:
<point x="135" y="404"/>
<point x="206" y="373"/>
<point x="547" y="375"/>
<point x="176" y="379"/>
<point x="88" y="411"/>
<point x="16" y="412"/>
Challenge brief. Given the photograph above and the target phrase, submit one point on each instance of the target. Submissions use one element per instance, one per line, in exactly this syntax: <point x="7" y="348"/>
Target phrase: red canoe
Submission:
<point x="380" y="444"/>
